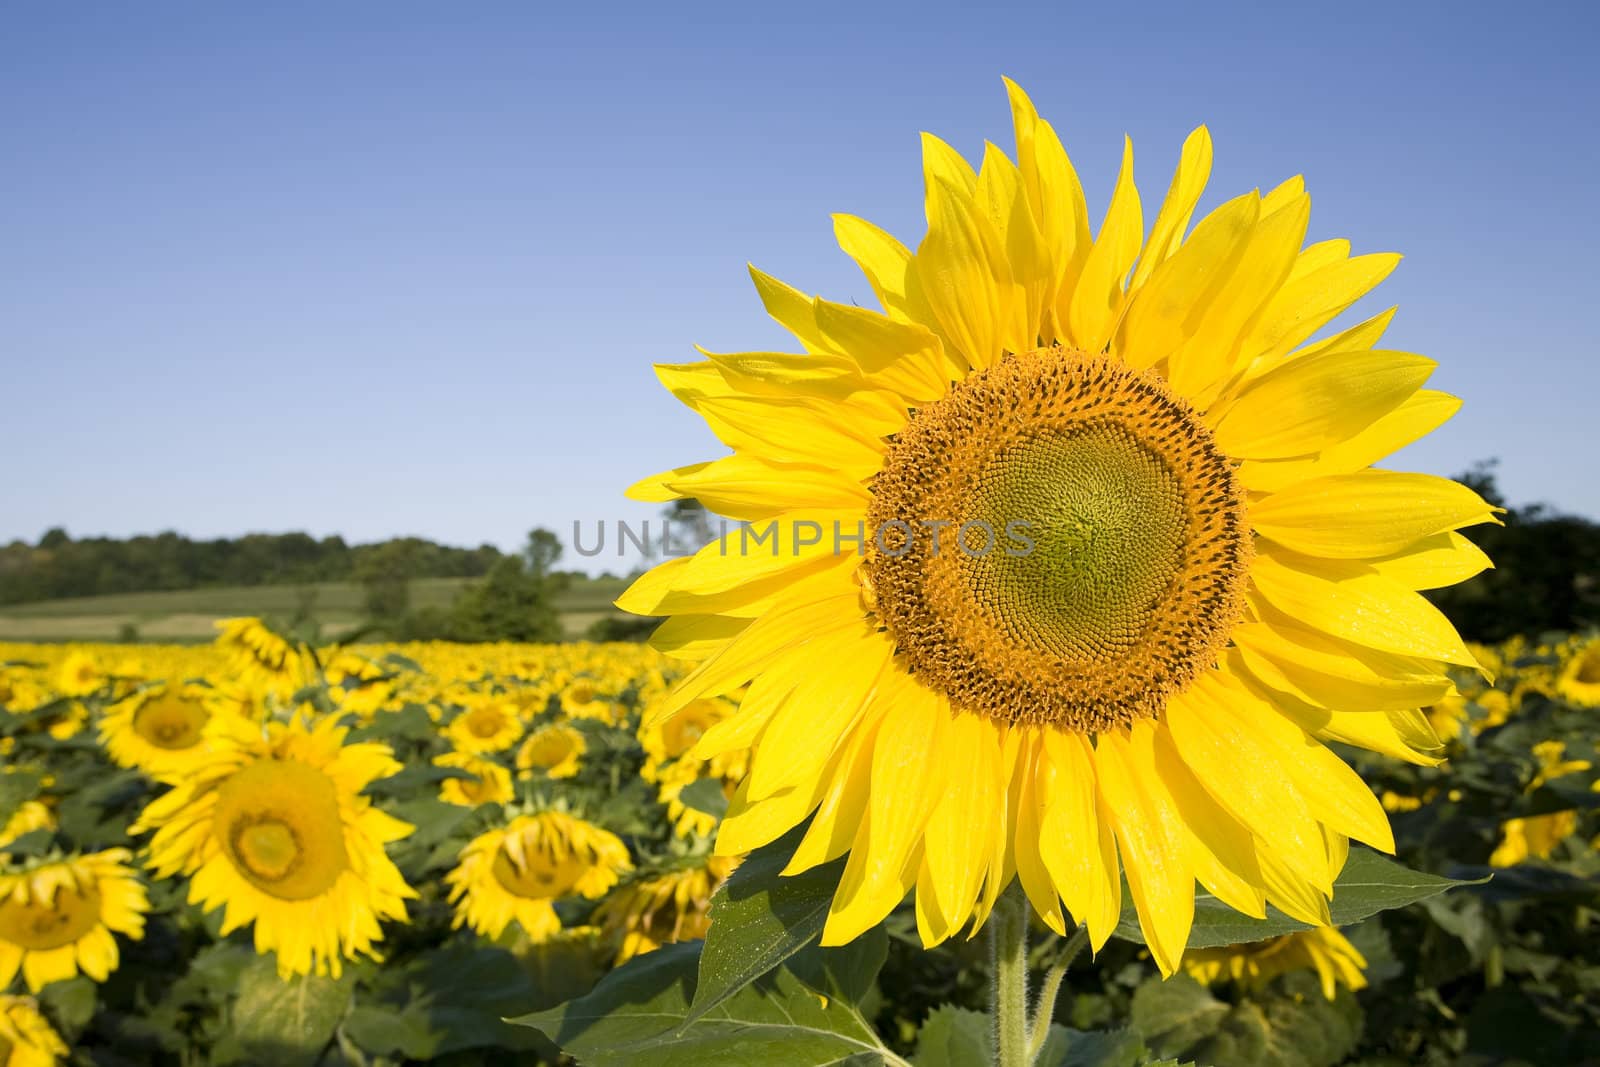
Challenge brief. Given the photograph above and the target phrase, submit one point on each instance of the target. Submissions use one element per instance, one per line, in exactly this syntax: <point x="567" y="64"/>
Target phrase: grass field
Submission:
<point x="190" y="615"/>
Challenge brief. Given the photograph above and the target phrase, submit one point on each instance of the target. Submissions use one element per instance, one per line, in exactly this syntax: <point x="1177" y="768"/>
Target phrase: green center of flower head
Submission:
<point x="42" y="925"/>
<point x="1059" y="540"/>
<point x="1107" y="525"/>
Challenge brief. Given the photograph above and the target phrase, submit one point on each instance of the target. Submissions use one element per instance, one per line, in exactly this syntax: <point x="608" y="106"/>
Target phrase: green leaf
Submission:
<point x="706" y="796"/>
<point x="1092" y="1048"/>
<point x="1369" y="883"/>
<point x="760" y="918"/>
<point x="636" y="1018"/>
<point x="286" y="1022"/>
<point x="1295" y="1028"/>
<point x="70" y="1004"/>
<point x="1173" y="1015"/>
<point x="16" y="787"/>
<point x="954" y="1037"/>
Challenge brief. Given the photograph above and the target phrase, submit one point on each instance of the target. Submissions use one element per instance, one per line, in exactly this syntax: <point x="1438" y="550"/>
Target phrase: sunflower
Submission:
<point x="666" y="741"/>
<point x="487" y="724"/>
<point x="664" y="909"/>
<point x="557" y="750"/>
<point x="490" y="783"/>
<point x="26" y="1038"/>
<point x="274" y="828"/>
<point x="1069" y="561"/>
<point x="261" y="656"/>
<point x="80" y="674"/>
<point x="1324" y="950"/>
<point x="58" y="917"/>
<point x="1579" y="681"/>
<point x="516" y="874"/>
<point x="160" y="730"/>
<point x="581" y="700"/>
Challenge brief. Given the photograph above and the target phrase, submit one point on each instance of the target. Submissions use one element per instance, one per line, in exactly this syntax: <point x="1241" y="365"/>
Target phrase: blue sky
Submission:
<point x="377" y="269"/>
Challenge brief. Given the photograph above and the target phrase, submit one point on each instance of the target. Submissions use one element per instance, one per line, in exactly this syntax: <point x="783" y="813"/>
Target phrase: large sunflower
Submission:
<point x="1069" y="560"/>
<point x="60" y="917"/>
<point x="274" y="828"/>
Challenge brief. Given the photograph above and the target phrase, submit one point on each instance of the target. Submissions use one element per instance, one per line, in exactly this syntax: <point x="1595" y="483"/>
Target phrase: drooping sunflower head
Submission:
<point x="59" y="918"/>
<point x="160" y="730"/>
<point x="1068" y="561"/>
<point x="1252" y="965"/>
<point x="273" y="827"/>
<point x="516" y="874"/>
<point x="261" y="656"/>
<point x="662" y="909"/>
<point x="557" y="750"/>
<point x="26" y="1037"/>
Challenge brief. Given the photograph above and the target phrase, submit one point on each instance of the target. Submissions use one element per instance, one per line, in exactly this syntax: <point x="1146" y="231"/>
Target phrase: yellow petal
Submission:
<point x="1336" y="674"/>
<point x="1076" y="844"/>
<point x="962" y="273"/>
<point x="654" y="489"/>
<point x="1097" y="299"/>
<point x="882" y="258"/>
<point x="999" y="195"/>
<point x="791" y="308"/>
<point x="1419" y="415"/>
<point x="1434" y="562"/>
<point x="902" y="356"/>
<point x="1170" y="306"/>
<point x="962" y="826"/>
<point x="1188" y="182"/>
<point x="695" y="637"/>
<point x="909" y="750"/>
<point x="1357" y="604"/>
<point x="1214" y="352"/>
<point x="1220" y="848"/>
<point x="844" y="800"/>
<point x="1154" y="852"/>
<point x="1313" y="403"/>
<point x="1217" y="740"/>
<point x="1369" y="513"/>
<point x="1056" y="197"/>
<point x="744" y="487"/>
<point x="1306" y="303"/>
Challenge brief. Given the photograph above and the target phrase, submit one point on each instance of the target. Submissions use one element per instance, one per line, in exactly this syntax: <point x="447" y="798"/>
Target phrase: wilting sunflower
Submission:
<point x="1579" y="680"/>
<point x="663" y="909"/>
<point x="160" y="730"/>
<point x="490" y="783"/>
<point x="60" y="917"/>
<point x="557" y="750"/>
<point x="516" y="874"/>
<point x="274" y="828"/>
<point x="26" y="1037"/>
<point x="1324" y="950"/>
<point x="1070" y="559"/>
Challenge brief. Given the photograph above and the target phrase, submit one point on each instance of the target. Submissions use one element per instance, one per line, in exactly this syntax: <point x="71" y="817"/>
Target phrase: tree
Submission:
<point x="511" y="604"/>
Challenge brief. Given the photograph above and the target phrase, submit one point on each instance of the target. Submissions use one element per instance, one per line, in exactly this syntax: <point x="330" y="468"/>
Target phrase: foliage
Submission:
<point x="61" y="566"/>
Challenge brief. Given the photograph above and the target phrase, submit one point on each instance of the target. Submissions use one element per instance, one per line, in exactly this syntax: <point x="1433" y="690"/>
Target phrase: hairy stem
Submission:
<point x="1008" y="936"/>
<point x="1039" y="1026"/>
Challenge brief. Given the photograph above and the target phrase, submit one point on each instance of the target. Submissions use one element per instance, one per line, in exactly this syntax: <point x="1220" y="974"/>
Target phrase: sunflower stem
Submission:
<point x="1008" y="937"/>
<point x="1044" y="1012"/>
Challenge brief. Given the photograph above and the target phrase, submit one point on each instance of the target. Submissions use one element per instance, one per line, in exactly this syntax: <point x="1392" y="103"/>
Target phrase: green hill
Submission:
<point x="189" y="615"/>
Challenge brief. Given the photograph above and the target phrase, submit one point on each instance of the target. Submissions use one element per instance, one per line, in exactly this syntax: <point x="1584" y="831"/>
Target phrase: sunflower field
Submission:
<point x="260" y="852"/>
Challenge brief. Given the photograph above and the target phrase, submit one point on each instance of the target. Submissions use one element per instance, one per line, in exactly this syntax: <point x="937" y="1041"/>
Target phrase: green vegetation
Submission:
<point x="338" y="607"/>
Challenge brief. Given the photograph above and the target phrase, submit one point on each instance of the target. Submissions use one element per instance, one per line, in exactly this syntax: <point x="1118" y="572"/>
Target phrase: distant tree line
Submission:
<point x="1546" y="572"/>
<point x="515" y="601"/>
<point x="61" y="566"/>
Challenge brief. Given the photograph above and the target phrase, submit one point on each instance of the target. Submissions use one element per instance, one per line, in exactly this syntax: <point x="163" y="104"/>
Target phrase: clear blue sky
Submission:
<point x="377" y="269"/>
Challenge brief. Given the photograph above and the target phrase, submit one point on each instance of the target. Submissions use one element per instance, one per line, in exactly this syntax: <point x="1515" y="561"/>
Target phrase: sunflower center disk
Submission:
<point x="280" y="826"/>
<point x="41" y="927"/>
<point x="542" y="877"/>
<point x="1060" y="541"/>
<point x="171" y="723"/>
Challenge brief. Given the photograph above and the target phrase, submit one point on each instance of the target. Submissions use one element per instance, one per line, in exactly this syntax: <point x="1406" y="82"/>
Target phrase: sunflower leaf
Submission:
<point x="705" y="796"/>
<point x="636" y="1017"/>
<point x="1369" y="883"/>
<point x="759" y="918"/>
